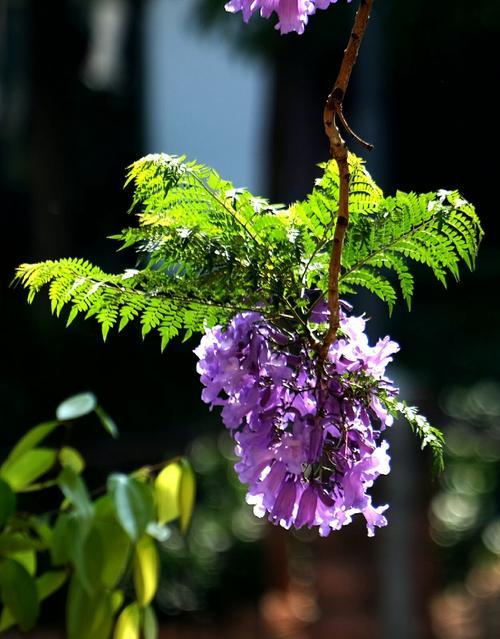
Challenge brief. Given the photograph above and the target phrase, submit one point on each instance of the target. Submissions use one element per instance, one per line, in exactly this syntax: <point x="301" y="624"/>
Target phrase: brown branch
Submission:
<point x="339" y="152"/>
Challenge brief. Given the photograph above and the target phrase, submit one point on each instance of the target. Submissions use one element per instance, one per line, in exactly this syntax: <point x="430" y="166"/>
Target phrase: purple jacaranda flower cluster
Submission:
<point x="308" y="436"/>
<point x="292" y="14"/>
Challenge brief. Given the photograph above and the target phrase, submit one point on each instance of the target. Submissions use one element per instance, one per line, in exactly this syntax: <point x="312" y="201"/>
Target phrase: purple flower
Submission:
<point x="292" y="14"/>
<point x="309" y="449"/>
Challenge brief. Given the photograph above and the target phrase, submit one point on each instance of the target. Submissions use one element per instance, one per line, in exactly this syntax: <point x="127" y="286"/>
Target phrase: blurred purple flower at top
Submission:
<point x="292" y="14"/>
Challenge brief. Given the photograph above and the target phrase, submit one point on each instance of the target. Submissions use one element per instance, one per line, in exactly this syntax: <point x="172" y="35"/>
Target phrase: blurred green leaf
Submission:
<point x="69" y="456"/>
<point x="67" y="538"/>
<point x="29" y="466"/>
<point x="107" y="421"/>
<point x="26" y="558"/>
<point x="46" y="585"/>
<point x="133" y="503"/>
<point x="30" y="440"/>
<point x="7" y="502"/>
<point x="116" y="547"/>
<point x="16" y="542"/>
<point x="187" y="493"/>
<point x="50" y="582"/>
<point x="104" y="508"/>
<point x="117" y="598"/>
<point x="167" y="490"/>
<point x="75" y="490"/>
<point x="76" y="406"/>
<point x="146" y="566"/>
<point x="88" y="615"/>
<point x="19" y="593"/>
<point x="128" y="623"/>
<point x="149" y="623"/>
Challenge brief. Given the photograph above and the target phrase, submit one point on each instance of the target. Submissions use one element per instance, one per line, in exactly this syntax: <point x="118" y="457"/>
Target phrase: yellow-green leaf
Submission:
<point x="28" y="467"/>
<point x="146" y="564"/>
<point x="128" y="623"/>
<point x="187" y="493"/>
<point x="30" y="440"/>
<point x="69" y="456"/>
<point x="167" y="487"/>
<point x="26" y="558"/>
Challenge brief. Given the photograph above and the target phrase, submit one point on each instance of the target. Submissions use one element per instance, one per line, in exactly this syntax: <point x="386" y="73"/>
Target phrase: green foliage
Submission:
<point x="430" y="436"/>
<point x="106" y="547"/>
<point x="207" y="250"/>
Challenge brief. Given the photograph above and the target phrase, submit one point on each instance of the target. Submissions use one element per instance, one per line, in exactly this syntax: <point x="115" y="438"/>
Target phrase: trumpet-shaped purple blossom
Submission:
<point x="292" y="14"/>
<point x="309" y="449"/>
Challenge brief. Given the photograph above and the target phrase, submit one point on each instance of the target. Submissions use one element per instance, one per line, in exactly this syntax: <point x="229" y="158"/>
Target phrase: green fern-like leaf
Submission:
<point x="207" y="250"/>
<point x="438" y="230"/>
<point x="430" y="436"/>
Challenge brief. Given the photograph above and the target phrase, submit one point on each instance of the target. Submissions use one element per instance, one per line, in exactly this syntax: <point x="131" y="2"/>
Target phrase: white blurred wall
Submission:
<point x="202" y="98"/>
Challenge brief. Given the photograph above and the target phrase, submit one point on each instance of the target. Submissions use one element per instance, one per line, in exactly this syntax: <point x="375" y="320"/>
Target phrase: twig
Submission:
<point x="339" y="152"/>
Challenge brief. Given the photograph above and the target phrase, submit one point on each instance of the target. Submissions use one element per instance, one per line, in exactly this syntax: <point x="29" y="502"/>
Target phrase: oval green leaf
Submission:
<point x="75" y="490"/>
<point x="89" y="615"/>
<point x="30" y="440"/>
<point x="76" y="406"/>
<point x="69" y="456"/>
<point x="46" y="585"/>
<point x="19" y="593"/>
<point x="133" y="503"/>
<point x="115" y="551"/>
<point x="31" y="465"/>
<point x="149" y="623"/>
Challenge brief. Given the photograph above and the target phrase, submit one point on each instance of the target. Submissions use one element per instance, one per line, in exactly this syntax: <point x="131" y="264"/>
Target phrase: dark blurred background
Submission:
<point x="88" y="86"/>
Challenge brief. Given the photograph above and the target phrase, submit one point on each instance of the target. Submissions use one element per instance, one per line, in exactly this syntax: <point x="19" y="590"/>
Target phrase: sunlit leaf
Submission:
<point x="76" y="406"/>
<point x="28" y="467"/>
<point x="30" y="440"/>
<point x="69" y="456"/>
<point x="128" y="623"/>
<point x="167" y="490"/>
<point x="146" y="564"/>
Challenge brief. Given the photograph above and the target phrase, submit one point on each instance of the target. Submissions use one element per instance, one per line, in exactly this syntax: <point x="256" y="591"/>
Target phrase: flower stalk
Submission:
<point x="333" y="113"/>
